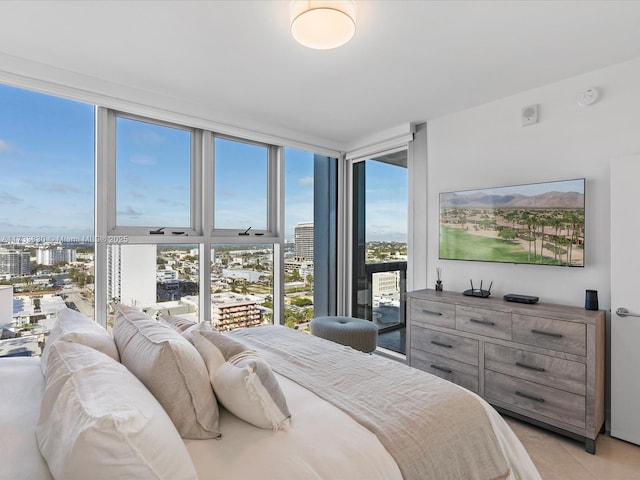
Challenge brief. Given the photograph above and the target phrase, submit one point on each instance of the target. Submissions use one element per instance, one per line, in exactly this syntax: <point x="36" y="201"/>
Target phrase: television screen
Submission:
<point x="540" y="223"/>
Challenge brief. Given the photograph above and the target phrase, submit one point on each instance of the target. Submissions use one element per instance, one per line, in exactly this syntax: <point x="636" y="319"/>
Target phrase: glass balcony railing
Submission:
<point x="381" y="296"/>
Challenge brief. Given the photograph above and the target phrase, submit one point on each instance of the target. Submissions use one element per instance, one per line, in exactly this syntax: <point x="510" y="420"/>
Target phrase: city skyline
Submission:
<point x="47" y="145"/>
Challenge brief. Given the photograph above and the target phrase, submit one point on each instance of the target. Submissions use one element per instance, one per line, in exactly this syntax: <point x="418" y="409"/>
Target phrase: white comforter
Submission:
<point x="322" y="443"/>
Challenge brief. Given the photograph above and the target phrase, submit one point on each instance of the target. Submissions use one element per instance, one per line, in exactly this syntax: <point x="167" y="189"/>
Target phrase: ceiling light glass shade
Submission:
<point x="323" y="24"/>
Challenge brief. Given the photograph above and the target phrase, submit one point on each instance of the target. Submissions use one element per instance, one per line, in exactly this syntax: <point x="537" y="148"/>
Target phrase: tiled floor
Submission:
<point x="560" y="458"/>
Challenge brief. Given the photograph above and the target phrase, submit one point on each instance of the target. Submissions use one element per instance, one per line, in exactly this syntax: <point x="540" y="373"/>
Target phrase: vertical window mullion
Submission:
<point x="197" y="181"/>
<point x="104" y="205"/>
<point x="207" y="211"/>
<point x="277" y="202"/>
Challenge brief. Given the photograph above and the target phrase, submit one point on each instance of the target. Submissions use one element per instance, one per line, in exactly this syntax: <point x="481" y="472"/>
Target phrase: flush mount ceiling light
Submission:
<point x="323" y="24"/>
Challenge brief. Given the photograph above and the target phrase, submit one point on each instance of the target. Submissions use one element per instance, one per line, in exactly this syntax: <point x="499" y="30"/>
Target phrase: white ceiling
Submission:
<point x="235" y="62"/>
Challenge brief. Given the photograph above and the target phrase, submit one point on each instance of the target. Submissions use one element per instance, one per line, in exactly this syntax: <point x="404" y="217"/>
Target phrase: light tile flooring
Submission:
<point x="560" y="458"/>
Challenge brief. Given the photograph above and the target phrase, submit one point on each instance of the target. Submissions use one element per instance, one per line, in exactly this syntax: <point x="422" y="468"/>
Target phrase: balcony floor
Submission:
<point x="394" y="340"/>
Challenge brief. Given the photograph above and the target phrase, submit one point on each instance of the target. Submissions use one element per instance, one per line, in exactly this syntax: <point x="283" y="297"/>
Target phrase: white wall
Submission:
<point x="6" y="304"/>
<point x="486" y="146"/>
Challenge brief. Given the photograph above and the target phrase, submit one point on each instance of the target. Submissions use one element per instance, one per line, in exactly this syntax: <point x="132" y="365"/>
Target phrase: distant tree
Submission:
<point x="302" y="302"/>
<point x="28" y="282"/>
<point x="268" y="301"/>
<point x="507" y="233"/>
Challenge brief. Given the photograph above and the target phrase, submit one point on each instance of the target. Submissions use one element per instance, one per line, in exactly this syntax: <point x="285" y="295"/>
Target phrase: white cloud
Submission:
<point x="130" y="212"/>
<point x="305" y="181"/>
<point x="9" y="199"/>
<point x="141" y="159"/>
<point x="5" y="147"/>
<point x="148" y="137"/>
<point x="60" y="188"/>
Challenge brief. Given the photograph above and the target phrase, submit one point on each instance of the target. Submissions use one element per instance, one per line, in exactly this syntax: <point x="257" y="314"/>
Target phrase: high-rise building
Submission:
<point x="386" y="283"/>
<point x="230" y="311"/>
<point x="15" y="263"/>
<point x="132" y="274"/>
<point x="51" y="256"/>
<point x="303" y="240"/>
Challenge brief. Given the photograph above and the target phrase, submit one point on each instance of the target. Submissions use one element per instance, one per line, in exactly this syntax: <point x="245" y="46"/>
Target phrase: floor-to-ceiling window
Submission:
<point x="187" y="221"/>
<point x="299" y="228"/>
<point x="46" y="214"/>
<point x="226" y="224"/>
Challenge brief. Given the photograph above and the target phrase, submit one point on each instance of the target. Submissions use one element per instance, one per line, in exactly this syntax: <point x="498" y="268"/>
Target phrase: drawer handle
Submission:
<point x="548" y="334"/>
<point x="530" y="367"/>
<point x="430" y="312"/>
<point x="481" y="322"/>
<point x="530" y="397"/>
<point x="442" y="369"/>
<point x="441" y="344"/>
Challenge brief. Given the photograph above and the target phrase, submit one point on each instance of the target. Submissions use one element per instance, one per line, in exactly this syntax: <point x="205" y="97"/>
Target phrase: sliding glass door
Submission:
<point x="379" y="243"/>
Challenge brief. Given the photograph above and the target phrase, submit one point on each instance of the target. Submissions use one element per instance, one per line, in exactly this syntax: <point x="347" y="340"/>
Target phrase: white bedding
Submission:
<point x="322" y="443"/>
<point x="22" y="386"/>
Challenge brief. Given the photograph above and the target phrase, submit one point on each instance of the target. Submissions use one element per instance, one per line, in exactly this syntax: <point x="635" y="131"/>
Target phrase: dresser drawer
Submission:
<point x="557" y="335"/>
<point x="553" y="372"/>
<point x="484" y="322"/>
<point x="426" y="312"/>
<point x="445" y="345"/>
<point x="537" y="399"/>
<point x="459" y="373"/>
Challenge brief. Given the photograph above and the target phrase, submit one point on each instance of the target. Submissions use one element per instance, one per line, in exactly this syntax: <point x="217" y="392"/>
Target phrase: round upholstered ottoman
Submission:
<point x="353" y="332"/>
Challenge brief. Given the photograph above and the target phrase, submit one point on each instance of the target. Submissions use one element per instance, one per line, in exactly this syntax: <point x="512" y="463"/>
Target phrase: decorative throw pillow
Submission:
<point x="171" y="368"/>
<point x="197" y="327"/>
<point x="98" y="421"/>
<point x="177" y="323"/>
<point x="73" y="326"/>
<point x="244" y="383"/>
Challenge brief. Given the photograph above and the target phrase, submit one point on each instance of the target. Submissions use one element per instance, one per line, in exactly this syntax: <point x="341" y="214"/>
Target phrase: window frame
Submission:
<point x="202" y="232"/>
<point x="273" y="227"/>
<point x="195" y="217"/>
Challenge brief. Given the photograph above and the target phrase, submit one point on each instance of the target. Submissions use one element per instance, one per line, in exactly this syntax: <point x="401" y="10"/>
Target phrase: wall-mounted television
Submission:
<point x="538" y="223"/>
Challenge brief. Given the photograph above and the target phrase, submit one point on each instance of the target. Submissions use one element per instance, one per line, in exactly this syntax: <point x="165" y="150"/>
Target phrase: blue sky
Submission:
<point x="46" y="159"/>
<point x="47" y="185"/>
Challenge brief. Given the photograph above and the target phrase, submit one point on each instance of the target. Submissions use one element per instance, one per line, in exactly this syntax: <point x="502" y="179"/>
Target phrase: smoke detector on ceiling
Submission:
<point x="529" y="115"/>
<point x="588" y="97"/>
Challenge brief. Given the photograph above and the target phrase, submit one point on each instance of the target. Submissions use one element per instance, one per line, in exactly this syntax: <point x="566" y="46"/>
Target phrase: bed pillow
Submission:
<point x="73" y="326"/>
<point x="171" y="368"/>
<point x="98" y="421"/>
<point x="177" y="323"/>
<point x="198" y="327"/>
<point x="244" y="383"/>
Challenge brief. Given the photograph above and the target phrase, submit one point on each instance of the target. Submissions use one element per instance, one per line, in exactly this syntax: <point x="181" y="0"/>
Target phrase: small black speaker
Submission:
<point x="591" y="300"/>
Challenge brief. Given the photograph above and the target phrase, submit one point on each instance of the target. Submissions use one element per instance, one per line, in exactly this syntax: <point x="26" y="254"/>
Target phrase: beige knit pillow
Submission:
<point x="177" y="323"/>
<point x="171" y="368"/>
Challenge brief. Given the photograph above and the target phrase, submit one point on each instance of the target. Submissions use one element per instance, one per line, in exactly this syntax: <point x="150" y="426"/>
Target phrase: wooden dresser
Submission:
<point x="540" y="363"/>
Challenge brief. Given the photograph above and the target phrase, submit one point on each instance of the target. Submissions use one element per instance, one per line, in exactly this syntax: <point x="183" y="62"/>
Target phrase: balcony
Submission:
<point x="380" y="298"/>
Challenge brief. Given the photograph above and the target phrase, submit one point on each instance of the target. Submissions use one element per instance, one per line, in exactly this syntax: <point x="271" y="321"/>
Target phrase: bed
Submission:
<point x="353" y="416"/>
